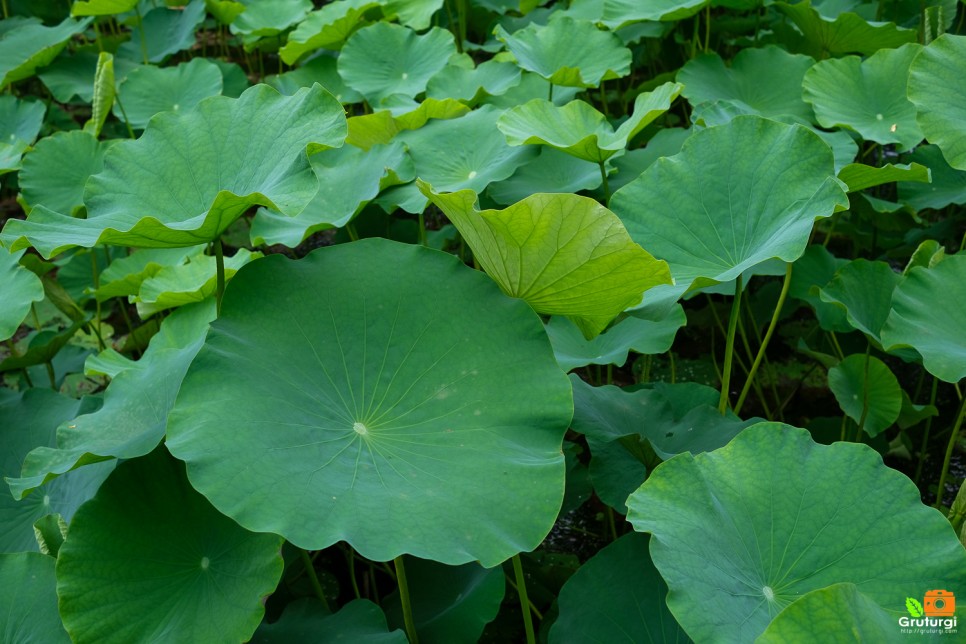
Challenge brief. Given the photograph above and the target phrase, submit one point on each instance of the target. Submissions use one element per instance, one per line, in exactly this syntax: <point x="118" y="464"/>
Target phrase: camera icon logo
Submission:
<point x="939" y="603"/>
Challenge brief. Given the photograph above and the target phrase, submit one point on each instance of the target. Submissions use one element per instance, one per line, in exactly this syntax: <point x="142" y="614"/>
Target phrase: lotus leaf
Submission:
<point x="735" y="196"/>
<point x="20" y="288"/>
<point x="370" y="410"/>
<point x="568" y="52"/>
<point x="490" y="78"/>
<point x="638" y="334"/>
<point x="937" y="89"/>
<point x="768" y="81"/>
<point x="148" y="558"/>
<point x="622" y="13"/>
<point x="789" y="516"/>
<point x="947" y="185"/>
<point x="219" y="159"/>
<point x="847" y="33"/>
<point x="349" y="177"/>
<point x="666" y="143"/>
<point x="531" y="86"/>
<point x="579" y="129"/>
<point x="136" y="404"/>
<point x="867" y="391"/>
<point x="149" y="90"/>
<point x="29" y="598"/>
<point x="225" y="11"/>
<point x="385" y="59"/>
<point x="57" y="169"/>
<point x="928" y="315"/>
<point x="28" y="46"/>
<point x="836" y="613"/>
<point x="382" y="126"/>
<point x="326" y="28"/>
<point x="20" y="123"/>
<point x="269" y="17"/>
<point x="561" y="253"/>
<point x="858" y="176"/>
<point x="102" y="7"/>
<point x="124" y="275"/>
<point x="28" y="420"/>
<point x="617" y="595"/>
<point x="72" y="75"/>
<point x="451" y="604"/>
<point x="322" y="70"/>
<point x="865" y="290"/>
<point x="165" y="31"/>
<point x="416" y="14"/>
<point x="305" y="620"/>
<point x="877" y="108"/>
<point x="552" y="171"/>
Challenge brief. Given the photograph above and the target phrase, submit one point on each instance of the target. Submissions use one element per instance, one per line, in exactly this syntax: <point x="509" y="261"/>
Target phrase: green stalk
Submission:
<point x="407" y="607"/>
<point x="550" y="93"/>
<point x="120" y="106"/>
<point x="524" y="600"/>
<point x="422" y="229"/>
<point x="764" y="343"/>
<point x="865" y="396"/>
<point x="6" y="11"/>
<point x="144" y="35"/>
<point x="751" y="356"/>
<point x="953" y="437"/>
<point x="603" y="177"/>
<point x="219" y="273"/>
<point x="730" y="348"/>
<point x="313" y="578"/>
<point x="925" y="434"/>
<point x="97" y="285"/>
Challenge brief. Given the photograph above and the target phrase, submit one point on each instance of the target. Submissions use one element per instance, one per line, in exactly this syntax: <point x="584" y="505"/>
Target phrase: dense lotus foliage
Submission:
<point x="482" y="320"/>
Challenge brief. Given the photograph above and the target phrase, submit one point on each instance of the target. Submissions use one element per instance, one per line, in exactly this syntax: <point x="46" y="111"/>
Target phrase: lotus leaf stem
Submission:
<point x="603" y="178"/>
<point x="404" y="599"/>
<point x="865" y="396"/>
<point x="313" y="578"/>
<point x="764" y="343"/>
<point x="730" y="347"/>
<point x="524" y="600"/>
<point x="953" y="438"/>
<point x="219" y="274"/>
<point x="144" y="34"/>
<point x="925" y="433"/>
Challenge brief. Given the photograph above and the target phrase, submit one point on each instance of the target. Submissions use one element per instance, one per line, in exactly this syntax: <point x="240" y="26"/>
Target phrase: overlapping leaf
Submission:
<point x="937" y="89"/>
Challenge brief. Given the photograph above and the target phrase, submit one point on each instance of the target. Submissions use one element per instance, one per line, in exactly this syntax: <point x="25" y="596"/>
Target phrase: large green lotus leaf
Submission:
<point x="416" y="14"/>
<point x="20" y="288"/>
<point x="867" y="391"/>
<point x="225" y="11"/>
<point x="491" y="78"/>
<point x="477" y="155"/>
<point x="561" y="253"/>
<point x="182" y="284"/>
<point x="149" y="559"/>
<point x="450" y="604"/>
<point x="568" y="52"/>
<point x="667" y="142"/>
<point x="621" y="13"/>
<point x="837" y="613"/>
<point x="617" y="596"/>
<point x="552" y="171"/>
<point x="326" y="28"/>
<point x="29" y="420"/>
<point x="579" y="129"/>
<point x="29" y="599"/>
<point x="638" y="334"/>
<point x="735" y="196"/>
<point x="72" y="75"/>
<point x="322" y="70"/>
<point x="385" y="59"/>
<point x="20" y="123"/>
<point x="305" y="620"/>
<point x="531" y="86"/>
<point x="947" y="185"/>
<point x="377" y="407"/>
<point x="938" y="90"/>
<point x="865" y="289"/>
<point x="136" y="403"/>
<point x="148" y="90"/>
<point x="30" y="45"/>
<point x="813" y="270"/>
<point x="876" y="105"/>
<point x="768" y="81"/>
<point x="788" y="516"/>
<point x="124" y="275"/>
<point x="192" y="173"/>
<point x="55" y="172"/>
<point x="166" y="31"/>
<point x="673" y="418"/>
<point x="928" y="315"/>
<point x="858" y="176"/>
<point x="102" y="7"/>
<point x="401" y="113"/>
<point x="349" y="178"/>
<point x="847" y="33"/>
<point x="263" y="18"/>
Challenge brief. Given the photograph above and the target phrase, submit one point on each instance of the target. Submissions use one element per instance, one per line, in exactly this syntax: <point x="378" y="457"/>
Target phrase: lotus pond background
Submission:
<point x="480" y="320"/>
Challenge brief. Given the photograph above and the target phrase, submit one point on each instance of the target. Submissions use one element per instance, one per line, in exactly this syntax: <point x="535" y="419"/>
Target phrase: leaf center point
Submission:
<point x="360" y="429"/>
<point x="768" y="593"/>
<point x="205" y="562"/>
